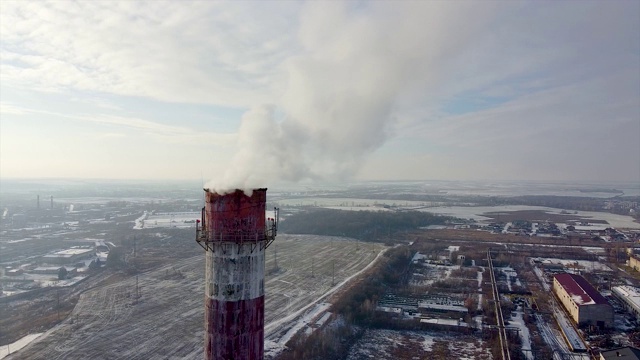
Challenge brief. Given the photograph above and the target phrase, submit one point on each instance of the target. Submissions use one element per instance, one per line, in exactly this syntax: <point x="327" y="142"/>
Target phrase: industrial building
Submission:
<point x="629" y="296"/>
<point x="54" y="270"/>
<point x="624" y="353"/>
<point x="235" y="234"/>
<point x="583" y="303"/>
<point x="68" y="256"/>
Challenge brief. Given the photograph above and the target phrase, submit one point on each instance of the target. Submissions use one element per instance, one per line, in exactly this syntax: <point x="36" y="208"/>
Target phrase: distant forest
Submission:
<point x="362" y="225"/>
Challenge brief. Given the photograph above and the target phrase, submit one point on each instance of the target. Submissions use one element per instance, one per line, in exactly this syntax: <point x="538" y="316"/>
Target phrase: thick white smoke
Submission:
<point x="339" y="96"/>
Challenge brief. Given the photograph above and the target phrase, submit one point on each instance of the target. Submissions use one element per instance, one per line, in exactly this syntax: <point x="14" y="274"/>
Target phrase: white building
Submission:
<point x="629" y="296"/>
<point x="68" y="256"/>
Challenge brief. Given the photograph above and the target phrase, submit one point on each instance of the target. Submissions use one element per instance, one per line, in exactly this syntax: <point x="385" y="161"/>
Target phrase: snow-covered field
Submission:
<point x="167" y="322"/>
<point x="476" y="212"/>
<point x="391" y="344"/>
<point x="577" y="264"/>
<point x="512" y="277"/>
<point x="543" y="280"/>
<point x="363" y="204"/>
<point x="523" y="331"/>
<point x="464" y="212"/>
<point x="280" y="331"/>
<point x="167" y="220"/>
<point x="17" y="345"/>
<point x="430" y="273"/>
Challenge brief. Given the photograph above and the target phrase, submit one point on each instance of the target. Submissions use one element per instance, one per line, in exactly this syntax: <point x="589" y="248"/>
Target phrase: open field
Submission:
<point x="523" y="212"/>
<point x="539" y="216"/>
<point x="167" y="320"/>
<point x="392" y="344"/>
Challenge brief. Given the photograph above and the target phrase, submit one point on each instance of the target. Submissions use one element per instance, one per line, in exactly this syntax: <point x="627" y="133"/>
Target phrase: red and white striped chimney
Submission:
<point x="235" y="235"/>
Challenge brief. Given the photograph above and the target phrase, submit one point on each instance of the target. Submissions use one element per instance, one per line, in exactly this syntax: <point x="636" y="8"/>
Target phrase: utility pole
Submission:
<point x="333" y="272"/>
<point x="135" y="256"/>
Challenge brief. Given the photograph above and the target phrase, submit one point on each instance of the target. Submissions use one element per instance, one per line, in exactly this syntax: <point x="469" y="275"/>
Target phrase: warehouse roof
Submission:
<point x="629" y="294"/>
<point x="627" y="353"/>
<point x="68" y="253"/>
<point x="580" y="290"/>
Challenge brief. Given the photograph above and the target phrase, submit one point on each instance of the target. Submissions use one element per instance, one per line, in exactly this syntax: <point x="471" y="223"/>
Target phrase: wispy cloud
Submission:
<point x="206" y="52"/>
<point x="6" y="108"/>
<point x="164" y="132"/>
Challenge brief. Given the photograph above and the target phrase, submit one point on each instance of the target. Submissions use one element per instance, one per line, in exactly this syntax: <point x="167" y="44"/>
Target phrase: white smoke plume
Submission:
<point x="338" y="99"/>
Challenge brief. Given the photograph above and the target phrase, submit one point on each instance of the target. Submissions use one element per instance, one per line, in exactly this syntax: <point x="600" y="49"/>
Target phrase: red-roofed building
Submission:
<point x="584" y="303"/>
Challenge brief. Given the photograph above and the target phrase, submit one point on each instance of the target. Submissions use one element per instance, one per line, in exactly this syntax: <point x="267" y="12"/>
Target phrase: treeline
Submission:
<point x="354" y="311"/>
<point x="362" y="225"/>
<point x="358" y="303"/>
<point x="561" y="202"/>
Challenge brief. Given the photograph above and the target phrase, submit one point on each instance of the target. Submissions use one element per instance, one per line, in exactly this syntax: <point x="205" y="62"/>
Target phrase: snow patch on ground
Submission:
<point x="17" y="345"/>
<point x="540" y="274"/>
<point x="290" y="325"/>
<point x="476" y="212"/>
<point x="427" y="344"/>
<point x="578" y="264"/>
<point x="518" y="322"/>
<point x="272" y="348"/>
<point x="392" y="344"/>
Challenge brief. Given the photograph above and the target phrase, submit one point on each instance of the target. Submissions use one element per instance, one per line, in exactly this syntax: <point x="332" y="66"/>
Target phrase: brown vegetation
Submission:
<point x="537" y="216"/>
<point x="355" y="307"/>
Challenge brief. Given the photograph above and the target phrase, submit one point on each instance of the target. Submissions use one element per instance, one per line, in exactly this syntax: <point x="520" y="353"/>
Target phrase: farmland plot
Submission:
<point x="392" y="344"/>
<point x="167" y="320"/>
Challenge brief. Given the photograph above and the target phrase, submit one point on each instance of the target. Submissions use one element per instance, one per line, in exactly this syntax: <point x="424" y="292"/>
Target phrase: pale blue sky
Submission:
<point x="353" y="90"/>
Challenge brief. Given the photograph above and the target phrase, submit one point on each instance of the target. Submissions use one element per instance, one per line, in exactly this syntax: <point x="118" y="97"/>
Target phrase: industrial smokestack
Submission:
<point x="235" y="235"/>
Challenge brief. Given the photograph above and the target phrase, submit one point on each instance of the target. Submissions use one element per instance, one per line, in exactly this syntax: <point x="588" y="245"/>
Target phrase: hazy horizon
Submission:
<point x="350" y="181"/>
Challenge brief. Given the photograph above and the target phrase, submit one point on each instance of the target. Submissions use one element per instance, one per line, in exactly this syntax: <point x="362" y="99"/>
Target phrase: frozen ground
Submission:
<point x="279" y="332"/>
<point x="553" y="337"/>
<point x="167" y="321"/>
<point x="351" y="203"/>
<point x="587" y="265"/>
<point x="17" y="345"/>
<point x="540" y="274"/>
<point x="391" y="344"/>
<point x="511" y="277"/>
<point x="476" y="212"/>
<point x="167" y="220"/>
<point x="594" y="250"/>
<point x="430" y="273"/>
<point x="517" y="321"/>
